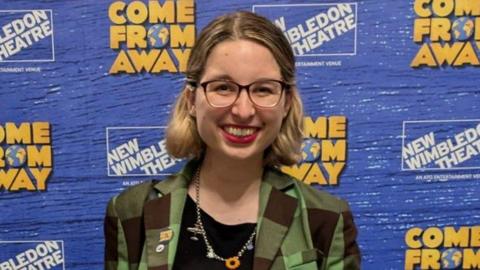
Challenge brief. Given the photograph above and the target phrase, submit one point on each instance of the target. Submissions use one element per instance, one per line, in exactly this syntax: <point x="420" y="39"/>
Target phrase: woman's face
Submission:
<point x="241" y="131"/>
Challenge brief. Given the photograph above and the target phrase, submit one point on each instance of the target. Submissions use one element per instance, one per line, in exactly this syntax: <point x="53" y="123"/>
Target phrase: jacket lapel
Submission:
<point x="162" y="219"/>
<point x="163" y="215"/>
<point x="277" y="211"/>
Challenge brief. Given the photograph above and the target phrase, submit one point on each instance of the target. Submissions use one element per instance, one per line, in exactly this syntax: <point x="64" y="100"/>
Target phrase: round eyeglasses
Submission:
<point x="224" y="93"/>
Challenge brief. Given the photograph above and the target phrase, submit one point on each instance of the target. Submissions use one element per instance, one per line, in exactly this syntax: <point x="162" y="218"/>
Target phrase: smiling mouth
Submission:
<point x="239" y="132"/>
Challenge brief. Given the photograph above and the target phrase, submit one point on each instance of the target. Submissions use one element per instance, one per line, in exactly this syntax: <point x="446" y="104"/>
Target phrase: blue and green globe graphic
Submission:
<point x="451" y="258"/>
<point x="462" y="28"/>
<point x="158" y="35"/>
<point x="16" y="155"/>
<point x="310" y="150"/>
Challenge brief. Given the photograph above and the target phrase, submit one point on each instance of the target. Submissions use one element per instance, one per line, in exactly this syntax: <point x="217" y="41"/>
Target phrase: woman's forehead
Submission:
<point x="241" y="60"/>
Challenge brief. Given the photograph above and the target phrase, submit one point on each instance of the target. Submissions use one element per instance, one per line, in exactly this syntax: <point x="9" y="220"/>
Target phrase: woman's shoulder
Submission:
<point x="130" y="201"/>
<point x="321" y="199"/>
<point x="315" y="198"/>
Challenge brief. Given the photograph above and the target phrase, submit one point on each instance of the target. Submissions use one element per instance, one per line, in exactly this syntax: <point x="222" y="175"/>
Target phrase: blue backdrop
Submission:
<point x="408" y="108"/>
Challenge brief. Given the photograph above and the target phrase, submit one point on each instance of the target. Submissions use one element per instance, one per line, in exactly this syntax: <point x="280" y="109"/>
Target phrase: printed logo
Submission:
<point x="443" y="248"/>
<point x="32" y="255"/>
<point x="151" y="37"/>
<point x="447" y="31"/>
<point x="316" y="30"/>
<point x="25" y="156"/>
<point x="324" y="151"/>
<point x="26" y="36"/>
<point x="139" y="151"/>
<point x="441" y="145"/>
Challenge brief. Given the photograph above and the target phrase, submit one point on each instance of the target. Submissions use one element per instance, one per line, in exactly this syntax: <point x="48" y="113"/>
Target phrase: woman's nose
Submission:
<point x="243" y="106"/>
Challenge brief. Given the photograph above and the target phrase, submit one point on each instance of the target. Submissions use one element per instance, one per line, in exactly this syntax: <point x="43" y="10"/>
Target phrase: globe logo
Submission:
<point x="462" y="28"/>
<point x="310" y="150"/>
<point x="451" y="258"/>
<point x="16" y="155"/>
<point x="158" y="35"/>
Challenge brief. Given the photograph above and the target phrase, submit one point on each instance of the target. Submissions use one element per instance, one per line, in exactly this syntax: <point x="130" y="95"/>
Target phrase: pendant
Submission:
<point x="232" y="262"/>
<point x="195" y="230"/>
<point x="210" y="254"/>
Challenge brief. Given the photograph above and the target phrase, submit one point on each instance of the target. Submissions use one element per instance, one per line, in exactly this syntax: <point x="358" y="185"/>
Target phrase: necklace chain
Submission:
<point x="199" y="224"/>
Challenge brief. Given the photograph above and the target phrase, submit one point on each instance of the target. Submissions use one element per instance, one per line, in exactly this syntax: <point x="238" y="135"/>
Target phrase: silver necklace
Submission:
<point x="231" y="262"/>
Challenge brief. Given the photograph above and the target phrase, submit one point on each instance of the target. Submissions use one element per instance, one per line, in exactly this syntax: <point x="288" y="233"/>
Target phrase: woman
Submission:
<point x="230" y="207"/>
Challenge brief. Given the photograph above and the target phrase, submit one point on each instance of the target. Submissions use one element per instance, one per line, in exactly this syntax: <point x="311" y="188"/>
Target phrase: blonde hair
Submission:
<point x="182" y="138"/>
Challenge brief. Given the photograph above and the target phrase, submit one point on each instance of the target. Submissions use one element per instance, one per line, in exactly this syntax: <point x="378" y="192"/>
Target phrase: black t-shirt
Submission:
<point x="226" y="240"/>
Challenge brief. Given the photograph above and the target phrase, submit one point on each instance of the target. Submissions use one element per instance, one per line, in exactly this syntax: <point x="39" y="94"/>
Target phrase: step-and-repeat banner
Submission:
<point x="392" y="119"/>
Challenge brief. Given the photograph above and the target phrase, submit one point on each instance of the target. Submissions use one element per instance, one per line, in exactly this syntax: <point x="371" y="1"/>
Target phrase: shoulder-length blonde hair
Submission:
<point x="182" y="138"/>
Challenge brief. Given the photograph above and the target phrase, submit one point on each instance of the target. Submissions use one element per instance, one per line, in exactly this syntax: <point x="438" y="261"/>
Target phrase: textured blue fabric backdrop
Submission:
<point x="363" y="73"/>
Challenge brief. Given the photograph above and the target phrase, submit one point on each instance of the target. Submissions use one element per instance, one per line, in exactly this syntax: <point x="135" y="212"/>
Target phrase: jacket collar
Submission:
<point x="164" y="214"/>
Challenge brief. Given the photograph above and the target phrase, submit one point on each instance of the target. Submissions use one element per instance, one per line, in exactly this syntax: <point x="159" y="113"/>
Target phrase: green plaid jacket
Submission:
<point x="299" y="228"/>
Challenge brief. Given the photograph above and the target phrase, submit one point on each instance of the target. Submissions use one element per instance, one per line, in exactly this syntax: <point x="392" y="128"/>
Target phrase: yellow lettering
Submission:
<point x="446" y="53"/>
<point x="185" y="11"/>
<point x="432" y="237"/>
<point x="114" y="12"/>
<point x="143" y="60"/>
<point x="41" y="132"/>
<point x="6" y="178"/>
<point x="22" y="181"/>
<point x="471" y="259"/>
<point x="182" y="58"/>
<point x="2" y="158"/>
<point x="20" y="134"/>
<point x="337" y="127"/>
<point x="315" y="175"/>
<point x="334" y="170"/>
<point x="454" y="238"/>
<point x="159" y="13"/>
<point x="137" y="12"/>
<point x="475" y="236"/>
<point x="412" y="258"/>
<point x="122" y="64"/>
<point x="421" y="27"/>
<point x="412" y="238"/>
<point x="182" y="38"/>
<point x="430" y="259"/>
<point x="317" y="129"/>
<point x="331" y="151"/>
<point x="2" y="134"/>
<point x="442" y="8"/>
<point x="164" y="62"/>
<point x="117" y="36"/>
<point x="42" y="157"/>
<point x="440" y="29"/>
<point x="467" y="7"/>
<point x="467" y="56"/>
<point x="136" y="36"/>
<point x="477" y="32"/>
<point x="424" y="57"/>
<point x="41" y="176"/>
<point x="420" y="8"/>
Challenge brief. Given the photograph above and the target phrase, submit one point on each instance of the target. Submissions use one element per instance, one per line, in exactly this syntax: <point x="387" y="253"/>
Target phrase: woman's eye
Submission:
<point x="223" y="87"/>
<point x="263" y="90"/>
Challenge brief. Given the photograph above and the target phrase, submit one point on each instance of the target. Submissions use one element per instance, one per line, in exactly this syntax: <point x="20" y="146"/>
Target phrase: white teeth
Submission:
<point x="240" y="132"/>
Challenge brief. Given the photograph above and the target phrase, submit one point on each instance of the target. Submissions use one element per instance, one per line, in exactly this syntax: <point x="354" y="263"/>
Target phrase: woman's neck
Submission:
<point x="230" y="178"/>
<point x="229" y="189"/>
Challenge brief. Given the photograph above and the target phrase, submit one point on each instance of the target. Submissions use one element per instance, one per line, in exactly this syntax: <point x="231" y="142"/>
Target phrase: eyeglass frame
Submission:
<point x="194" y="85"/>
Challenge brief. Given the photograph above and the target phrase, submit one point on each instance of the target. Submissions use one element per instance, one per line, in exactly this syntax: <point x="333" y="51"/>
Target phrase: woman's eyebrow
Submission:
<point x="219" y="77"/>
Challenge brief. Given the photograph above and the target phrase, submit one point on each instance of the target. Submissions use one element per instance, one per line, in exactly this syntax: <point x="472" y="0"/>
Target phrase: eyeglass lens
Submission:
<point x="265" y="93"/>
